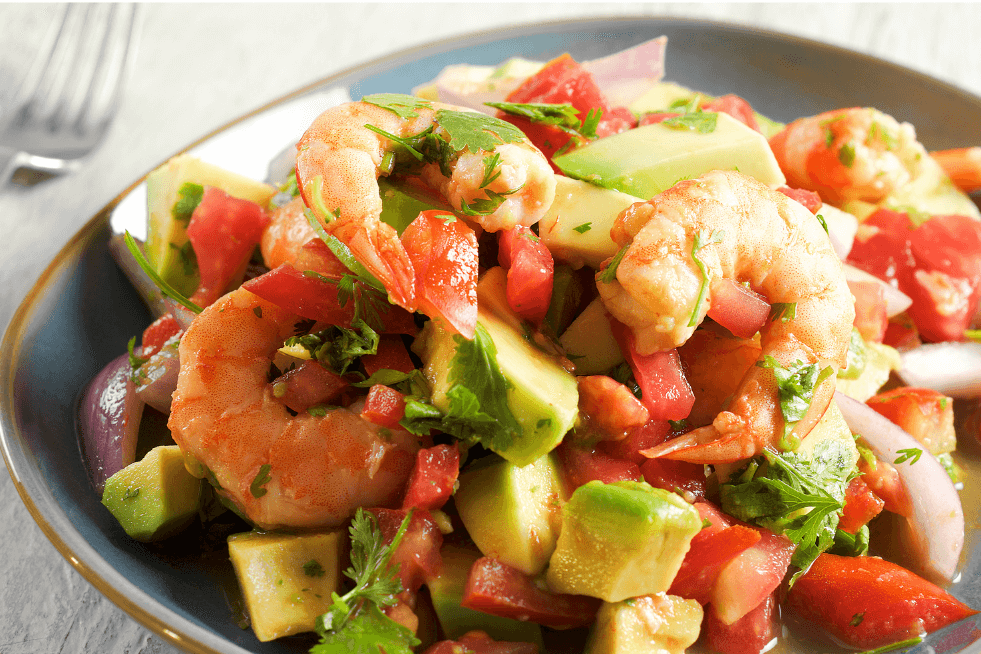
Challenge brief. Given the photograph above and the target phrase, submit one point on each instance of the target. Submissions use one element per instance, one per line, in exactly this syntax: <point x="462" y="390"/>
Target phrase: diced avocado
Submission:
<point x="402" y="203"/>
<point x="855" y="361"/>
<point x="542" y="395"/>
<point x="513" y="513"/>
<point x="576" y="228"/>
<point x="166" y="235"/>
<point x="287" y="579"/>
<point x="621" y="540"/>
<point x="880" y="361"/>
<point x="567" y="290"/>
<point x="931" y="193"/>
<point x="652" y="624"/>
<point x="154" y="498"/>
<point x="647" y="160"/>
<point x="832" y="426"/>
<point x="446" y="591"/>
<point x="589" y="342"/>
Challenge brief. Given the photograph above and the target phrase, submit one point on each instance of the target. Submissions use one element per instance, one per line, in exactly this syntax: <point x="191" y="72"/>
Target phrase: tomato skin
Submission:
<point x="648" y="435"/>
<point x="749" y="634"/>
<point x="925" y="414"/>
<point x="740" y="310"/>
<point x="443" y="252"/>
<point x="582" y="464"/>
<point x="478" y="642"/>
<point x="501" y="590"/>
<point x="383" y="406"/>
<point x="307" y="385"/>
<point x="159" y="331"/>
<point x="531" y="271"/>
<point x="871" y="320"/>
<point x="304" y="295"/>
<point x="710" y="550"/>
<point x="671" y="475"/>
<point x="432" y="478"/>
<point x="666" y="392"/>
<point x="883" y="480"/>
<point x="811" y="200"/>
<point x="736" y="107"/>
<point x="391" y="355"/>
<point x="867" y="602"/>
<point x="754" y="573"/>
<point x="861" y="505"/>
<point x="417" y="555"/>
<point x="223" y="232"/>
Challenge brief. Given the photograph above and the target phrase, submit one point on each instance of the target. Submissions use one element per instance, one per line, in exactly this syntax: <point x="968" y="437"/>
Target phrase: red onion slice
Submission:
<point x="626" y="75"/>
<point x="951" y="368"/>
<point x="157" y="378"/>
<point x="109" y="421"/>
<point x="896" y="300"/>
<point x="842" y="227"/>
<point x="935" y="528"/>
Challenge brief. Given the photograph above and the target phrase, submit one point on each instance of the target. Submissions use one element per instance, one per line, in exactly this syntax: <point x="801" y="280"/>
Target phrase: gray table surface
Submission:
<point x="201" y="66"/>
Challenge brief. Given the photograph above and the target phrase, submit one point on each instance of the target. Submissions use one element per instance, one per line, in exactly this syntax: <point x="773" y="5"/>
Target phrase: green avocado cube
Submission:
<point x="652" y="624"/>
<point x="647" y="160"/>
<point x="154" y="498"/>
<point x="621" y="540"/>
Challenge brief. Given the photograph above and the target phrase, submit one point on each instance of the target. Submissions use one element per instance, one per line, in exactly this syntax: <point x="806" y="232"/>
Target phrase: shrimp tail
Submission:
<point x="376" y="245"/>
<point x="706" y="445"/>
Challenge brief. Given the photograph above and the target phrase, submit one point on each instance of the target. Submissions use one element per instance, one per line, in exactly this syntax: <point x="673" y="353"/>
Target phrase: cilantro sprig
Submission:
<point x="338" y="347"/>
<point x="795" y="385"/>
<point x="164" y="287"/>
<point x="563" y="116"/>
<point x="702" y="239"/>
<point x="693" y="118"/>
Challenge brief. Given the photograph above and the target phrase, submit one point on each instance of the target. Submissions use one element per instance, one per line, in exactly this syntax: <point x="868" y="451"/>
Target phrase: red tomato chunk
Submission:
<point x="159" y="331"/>
<point x="478" y="642"/>
<point x="432" y="479"/>
<point x="749" y="634"/>
<point x="417" y="556"/>
<point x="531" y="272"/>
<point x="307" y="385"/>
<point x="384" y="406"/>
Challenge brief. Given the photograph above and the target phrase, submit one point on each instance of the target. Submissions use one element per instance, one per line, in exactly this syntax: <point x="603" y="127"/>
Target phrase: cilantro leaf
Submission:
<point x="338" y="347"/>
<point x="473" y="131"/>
<point x="846" y="155"/>
<point x="795" y="385"/>
<point x="257" y="487"/>
<point x="609" y="274"/>
<point x="699" y="121"/>
<point x="189" y="197"/>
<point x="485" y="206"/>
<point x="164" y="287"/>
<point x="134" y="361"/>
<point x="782" y="311"/>
<point x="583" y="228"/>
<point x="371" y="632"/>
<point x="342" y="252"/>
<point x="403" y="106"/>
<point x="911" y="454"/>
<point x="702" y="239"/>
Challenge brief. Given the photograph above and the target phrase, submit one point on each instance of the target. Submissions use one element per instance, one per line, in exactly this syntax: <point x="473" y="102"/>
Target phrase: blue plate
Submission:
<point x="82" y="311"/>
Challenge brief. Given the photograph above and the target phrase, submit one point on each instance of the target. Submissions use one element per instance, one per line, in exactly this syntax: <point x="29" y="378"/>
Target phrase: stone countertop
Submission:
<point x="199" y="67"/>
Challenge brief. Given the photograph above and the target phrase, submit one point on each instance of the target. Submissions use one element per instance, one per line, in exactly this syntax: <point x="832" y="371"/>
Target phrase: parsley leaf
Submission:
<point x="702" y="239"/>
<point x="257" y="487"/>
<point x="485" y="206"/>
<point x="563" y="116"/>
<point x="312" y="568"/>
<point x="795" y="385"/>
<point x="473" y="131"/>
<point x="189" y="197"/>
<point x="609" y="274"/>
<point x="403" y="106"/>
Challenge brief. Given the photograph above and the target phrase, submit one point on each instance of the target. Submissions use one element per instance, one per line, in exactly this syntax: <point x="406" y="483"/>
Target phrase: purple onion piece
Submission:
<point x="156" y="379"/>
<point x="109" y="421"/>
<point x="934" y="531"/>
<point x="951" y="368"/>
<point x="626" y="75"/>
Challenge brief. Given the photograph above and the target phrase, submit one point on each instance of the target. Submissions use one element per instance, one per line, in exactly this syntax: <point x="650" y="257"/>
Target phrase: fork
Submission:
<point x="69" y="97"/>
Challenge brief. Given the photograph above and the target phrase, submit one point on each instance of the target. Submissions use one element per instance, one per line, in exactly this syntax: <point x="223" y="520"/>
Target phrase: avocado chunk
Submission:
<point x="647" y="160"/>
<point x="167" y="247"/>
<point x="287" y="579"/>
<point x="589" y="341"/>
<point x="402" y="203"/>
<point x="446" y="591"/>
<point x="154" y="498"/>
<point x="931" y="193"/>
<point x="567" y="291"/>
<point x="542" y="395"/>
<point x="880" y="361"/>
<point x="652" y="624"/>
<point x="513" y="513"/>
<point x="621" y="540"/>
<point x="576" y="227"/>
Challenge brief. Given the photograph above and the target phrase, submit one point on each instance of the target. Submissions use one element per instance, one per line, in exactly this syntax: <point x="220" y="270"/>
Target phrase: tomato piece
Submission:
<point x="736" y="107"/>
<point x="391" y="355"/>
<point x="223" y="232"/>
<point x="901" y="333"/>
<point x="706" y="555"/>
<point x="648" y="435"/>
<point x="811" y="200"/>
<point x="861" y="505"/>
<point x="883" y="480"/>
<point x="867" y="602"/>
<point x="754" y="573"/>
<point x="307" y="385"/>
<point x="666" y="392"/>
<point x="609" y="406"/>
<point x="749" y="634"/>
<point x="478" y="642"/>
<point x="501" y="590"/>
<point x="417" y="556"/>
<point x="443" y="251"/>
<point x="656" y="117"/>
<point x="432" y="478"/>
<point x="583" y="464"/>
<point x="531" y="271"/>
<point x="383" y="406"/>
<point x="925" y="414"/>
<point x="871" y="320"/>
<point x="739" y="309"/>
<point x="158" y="333"/>
<point x="305" y="295"/>
<point x="675" y="475"/>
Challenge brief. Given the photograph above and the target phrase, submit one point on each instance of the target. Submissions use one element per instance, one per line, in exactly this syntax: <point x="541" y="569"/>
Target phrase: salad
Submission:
<point x="552" y="354"/>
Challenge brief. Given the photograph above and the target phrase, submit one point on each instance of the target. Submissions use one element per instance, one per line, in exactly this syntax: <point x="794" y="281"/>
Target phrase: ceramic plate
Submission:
<point x="82" y="311"/>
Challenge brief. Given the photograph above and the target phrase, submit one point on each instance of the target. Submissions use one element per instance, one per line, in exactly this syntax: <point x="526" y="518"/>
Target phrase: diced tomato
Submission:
<point x="305" y="295"/>
<point x="861" y="505"/>
<point x="223" y="232"/>
<point x="531" y="271"/>
<point x="925" y="414"/>
<point x="609" y="406"/>
<point x="739" y="309"/>
<point x="391" y="355"/>
<point x="443" y="251"/>
<point x="870" y="310"/>
<point x="158" y="333"/>
<point x="316" y="256"/>
<point x="883" y="480"/>
<point x="383" y="406"/>
<point x="501" y="590"/>
<point x="749" y="634"/>
<point x="709" y="512"/>
<point x="747" y="579"/>
<point x="417" y="556"/>
<point x="671" y="475"/>
<point x="734" y="106"/>
<point x="710" y="549"/>
<point x="307" y="385"/>
<point x="867" y="602"/>
<point x="648" y="435"/>
<point x="901" y="333"/>
<point x="666" y="392"/>
<point x="583" y="464"/>
<point x="478" y="642"/>
<point x="432" y="478"/>
<point x="811" y="200"/>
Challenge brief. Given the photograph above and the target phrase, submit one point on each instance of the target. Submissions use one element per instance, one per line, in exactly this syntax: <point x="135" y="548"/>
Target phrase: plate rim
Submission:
<point x="34" y="493"/>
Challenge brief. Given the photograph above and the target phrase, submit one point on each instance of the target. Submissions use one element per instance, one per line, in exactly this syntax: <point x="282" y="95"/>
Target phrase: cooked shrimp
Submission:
<point x="848" y="154"/>
<point x="280" y="470"/>
<point x="741" y="230"/>
<point x="339" y="160"/>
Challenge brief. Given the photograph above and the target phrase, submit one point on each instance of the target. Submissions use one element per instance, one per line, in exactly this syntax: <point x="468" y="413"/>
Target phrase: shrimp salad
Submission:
<point x="539" y="358"/>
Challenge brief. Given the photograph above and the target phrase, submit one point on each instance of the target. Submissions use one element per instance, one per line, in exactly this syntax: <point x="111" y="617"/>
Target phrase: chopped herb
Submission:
<point x="261" y="479"/>
<point x="911" y="454"/>
<point x="134" y="361"/>
<point x="131" y="493"/>
<point x="339" y="347"/>
<point x="342" y="252"/>
<point x="590" y="123"/>
<point x="290" y="187"/>
<point x="403" y="106"/>
<point x="312" y="568"/>
<point x="846" y="155"/>
<point x="701" y="240"/>
<point x="796" y="385"/>
<point x="257" y="311"/>
<point x="583" y="228"/>
<point x="189" y="197"/>
<point x="877" y="131"/>
<point x="488" y="205"/>
<point x="490" y="166"/>
<point x="973" y="335"/>
<point x="472" y="131"/>
<point x="563" y="116"/>
<point x="609" y="274"/>
<point x="544" y="422"/>
<point x="823" y="223"/>
<point x="164" y="287"/>
<point x="783" y="311"/>
<point x="699" y="121"/>
<point x="857" y="619"/>
<point x="678" y="425"/>
<point x="903" y="644"/>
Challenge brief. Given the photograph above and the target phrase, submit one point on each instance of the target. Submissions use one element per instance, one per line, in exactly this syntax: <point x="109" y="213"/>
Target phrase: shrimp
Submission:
<point x="741" y="230"/>
<point x="849" y="154"/>
<point x="339" y="160"/>
<point x="280" y="470"/>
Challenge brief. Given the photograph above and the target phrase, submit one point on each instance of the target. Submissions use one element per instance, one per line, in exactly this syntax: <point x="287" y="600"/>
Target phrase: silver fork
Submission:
<point x="65" y="104"/>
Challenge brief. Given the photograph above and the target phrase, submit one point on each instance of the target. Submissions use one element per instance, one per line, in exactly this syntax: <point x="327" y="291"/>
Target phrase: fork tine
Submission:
<point x="31" y="83"/>
<point x="117" y="54"/>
